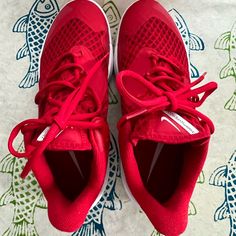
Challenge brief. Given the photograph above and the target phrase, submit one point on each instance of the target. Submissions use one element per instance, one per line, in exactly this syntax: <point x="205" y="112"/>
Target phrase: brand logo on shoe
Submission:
<point x="180" y="121"/>
<point x="163" y="118"/>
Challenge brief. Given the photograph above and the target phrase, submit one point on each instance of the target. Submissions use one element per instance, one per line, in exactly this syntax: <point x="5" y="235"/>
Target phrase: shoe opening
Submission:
<point x="160" y="166"/>
<point x="71" y="170"/>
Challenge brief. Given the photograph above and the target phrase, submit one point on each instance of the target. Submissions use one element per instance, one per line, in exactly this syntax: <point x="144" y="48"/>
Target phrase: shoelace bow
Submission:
<point x="61" y="115"/>
<point x="159" y="82"/>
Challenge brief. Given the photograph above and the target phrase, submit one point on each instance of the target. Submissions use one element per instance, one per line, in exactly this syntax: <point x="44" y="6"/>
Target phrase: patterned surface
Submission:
<point x="227" y="41"/>
<point x="154" y="34"/>
<point x="35" y="25"/>
<point x="25" y="195"/>
<point x="192" y="41"/>
<point x="67" y="36"/>
<point x="225" y="176"/>
<point x="209" y="47"/>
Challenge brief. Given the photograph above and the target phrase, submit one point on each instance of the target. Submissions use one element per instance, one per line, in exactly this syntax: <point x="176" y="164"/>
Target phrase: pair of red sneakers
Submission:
<point x="163" y="138"/>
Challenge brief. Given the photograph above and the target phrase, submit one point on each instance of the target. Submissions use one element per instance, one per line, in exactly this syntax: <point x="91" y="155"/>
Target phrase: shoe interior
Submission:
<point x="71" y="170"/>
<point x="160" y="166"/>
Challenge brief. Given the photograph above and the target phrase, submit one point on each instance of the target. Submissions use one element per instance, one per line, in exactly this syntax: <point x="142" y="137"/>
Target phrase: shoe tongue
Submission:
<point x="143" y="58"/>
<point x="168" y="127"/>
<point x="81" y="56"/>
<point x="69" y="139"/>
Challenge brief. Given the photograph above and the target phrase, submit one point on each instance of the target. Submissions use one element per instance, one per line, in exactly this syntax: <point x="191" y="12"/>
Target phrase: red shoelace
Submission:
<point x="165" y="82"/>
<point x="63" y="113"/>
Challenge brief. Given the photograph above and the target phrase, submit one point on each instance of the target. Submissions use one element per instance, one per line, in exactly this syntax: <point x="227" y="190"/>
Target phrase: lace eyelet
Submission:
<point x="194" y="99"/>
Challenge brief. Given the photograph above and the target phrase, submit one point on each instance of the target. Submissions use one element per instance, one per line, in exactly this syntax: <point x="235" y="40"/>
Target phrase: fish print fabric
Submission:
<point x="227" y="42"/>
<point x="25" y="195"/>
<point x="225" y="176"/>
<point x="35" y="26"/>
<point x="208" y="29"/>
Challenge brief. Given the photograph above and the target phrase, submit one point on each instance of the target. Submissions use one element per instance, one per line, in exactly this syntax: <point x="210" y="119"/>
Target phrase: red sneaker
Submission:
<point x="163" y="138"/>
<point x="67" y="146"/>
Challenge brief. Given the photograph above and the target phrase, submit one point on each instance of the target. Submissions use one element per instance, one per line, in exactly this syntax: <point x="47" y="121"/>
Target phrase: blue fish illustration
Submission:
<point x="93" y="225"/>
<point x="225" y="176"/>
<point x="24" y="194"/>
<point x="192" y="41"/>
<point x="35" y="25"/>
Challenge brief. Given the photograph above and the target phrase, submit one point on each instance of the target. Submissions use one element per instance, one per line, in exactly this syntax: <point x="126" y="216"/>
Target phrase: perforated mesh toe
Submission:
<point x="75" y="32"/>
<point x="157" y="35"/>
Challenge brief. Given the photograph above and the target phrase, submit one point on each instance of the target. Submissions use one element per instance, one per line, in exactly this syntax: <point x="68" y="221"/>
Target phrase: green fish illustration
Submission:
<point x="201" y="178"/>
<point x="227" y="41"/>
<point x="155" y="233"/>
<point x="192" y="211"/>
<point x="24" y="194"/>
